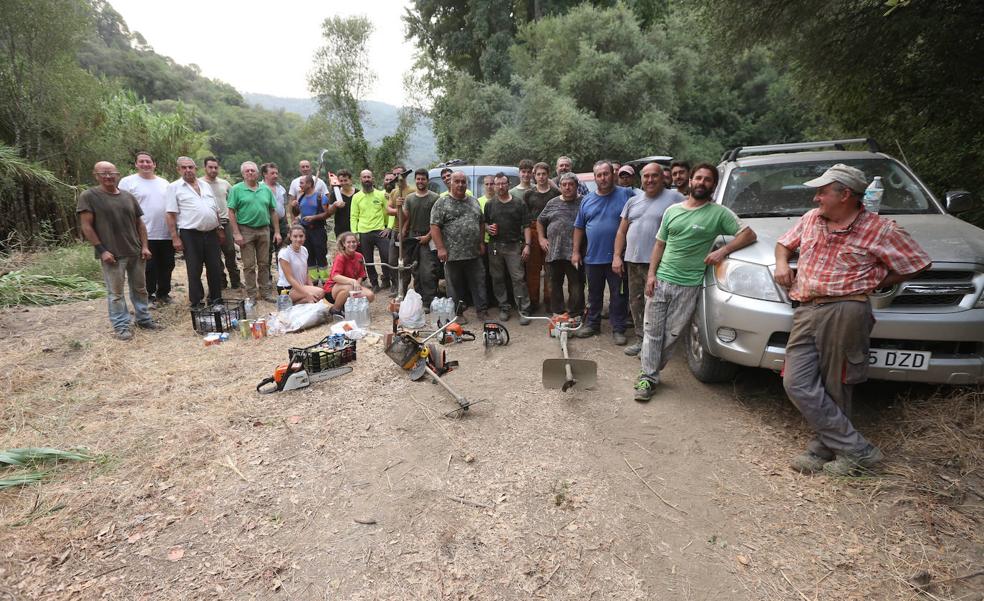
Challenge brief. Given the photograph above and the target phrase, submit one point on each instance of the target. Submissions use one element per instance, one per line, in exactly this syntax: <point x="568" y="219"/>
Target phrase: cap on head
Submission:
<point x="851" y="177"/>
<point x="626" y="170"/>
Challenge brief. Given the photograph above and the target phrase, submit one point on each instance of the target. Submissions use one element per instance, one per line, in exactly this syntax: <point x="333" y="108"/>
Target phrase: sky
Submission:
<point x="288" y="32"/>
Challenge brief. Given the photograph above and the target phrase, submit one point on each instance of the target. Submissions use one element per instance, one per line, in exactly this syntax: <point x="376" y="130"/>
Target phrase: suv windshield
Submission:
<point x="777" y="190"/>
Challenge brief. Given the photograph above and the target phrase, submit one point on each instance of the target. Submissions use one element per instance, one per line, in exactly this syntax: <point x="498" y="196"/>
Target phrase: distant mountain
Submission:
<point x="381" y="120"/>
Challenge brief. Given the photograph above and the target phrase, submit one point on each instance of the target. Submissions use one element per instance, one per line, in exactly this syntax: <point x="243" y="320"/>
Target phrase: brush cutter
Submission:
<point x="422" y="359"/>
<point x="567" y="373"/>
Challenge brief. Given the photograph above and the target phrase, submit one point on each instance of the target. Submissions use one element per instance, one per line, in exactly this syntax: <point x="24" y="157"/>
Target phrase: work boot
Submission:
<point x="808" y="462"/>
<point x="633" y="349"/>
<point x="124" y="334"/>
<point x="523" y="319"/>
<point x="854" y="464"/>
<point x="619" y="338"/>
<point x="643" y="389"/>
<point x="149" y="325"/>
<point x="587" y="331"/>
<point x="504" y="313"/>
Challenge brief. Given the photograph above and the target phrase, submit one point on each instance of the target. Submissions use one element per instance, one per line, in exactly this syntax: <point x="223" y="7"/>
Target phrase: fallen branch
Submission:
<point x="233" y="467"/>
<point x="469" y="502"/>
<point x="653" y="490"/>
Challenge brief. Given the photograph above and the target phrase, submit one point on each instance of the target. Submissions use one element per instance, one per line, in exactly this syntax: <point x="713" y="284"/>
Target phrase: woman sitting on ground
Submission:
<point x="294" y="276"/>
<point x="348" y="271"/>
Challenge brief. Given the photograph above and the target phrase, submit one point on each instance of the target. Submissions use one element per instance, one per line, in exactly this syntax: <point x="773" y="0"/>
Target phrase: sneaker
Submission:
<point x="124" y="334"/>
<point x="633" y="349"/>
<point x="808" y="462"/>
<point x="587" y="331"/>
<point x="619" y="338"/>
<point x="503" y="313"/>
<point x="524" y="320"/>
<point x="854" y="464"/>
<point x="643" y="389"/>
<point x="149" y="325"/>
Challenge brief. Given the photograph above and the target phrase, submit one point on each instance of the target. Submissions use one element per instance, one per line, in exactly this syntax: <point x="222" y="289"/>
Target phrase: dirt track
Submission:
<point x="361" y="489"/>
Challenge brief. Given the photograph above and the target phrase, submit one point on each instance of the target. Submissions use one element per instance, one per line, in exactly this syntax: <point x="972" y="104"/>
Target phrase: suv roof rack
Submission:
<point x="740" y="151"/>
<point x="452" y="163"/>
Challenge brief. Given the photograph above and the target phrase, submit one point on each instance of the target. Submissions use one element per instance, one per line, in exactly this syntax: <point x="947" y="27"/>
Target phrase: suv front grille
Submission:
<point x="927" y="299"/>
<point x="935" y="288"/>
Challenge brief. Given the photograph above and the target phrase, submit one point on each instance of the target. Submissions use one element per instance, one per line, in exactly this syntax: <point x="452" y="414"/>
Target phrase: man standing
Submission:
<point x="417" y="238"/>
<point x="220" y="189"/>
<point x="525" y="179"/>
<point x="270" y="174"/>
<point x="598" y="220"/>
<point x="565" y="165"/>
<point x="193" y="220"/>
<point x="680" y="257"/>
<point x="641" y="219"/>
<point x="149" y="189"/>
<point x="343" y="211"/>
<point x="312" y="209"/>
<point x="399" y="189"/>
<point x="369" y="223"/>
<point x="535" y="199"/>
<point x="252" y="208"/>
<point x="626" y="176"/>
<point x="845" y="253"/>
<point x="111" y="222"/>
<point x="555" y="231"/>
<point x="680" y="174"/>
<point x="507" y="221"/>
<point x="293" y="191"/>
<point x="456" y="228"/>
<point x="488" y="188"/>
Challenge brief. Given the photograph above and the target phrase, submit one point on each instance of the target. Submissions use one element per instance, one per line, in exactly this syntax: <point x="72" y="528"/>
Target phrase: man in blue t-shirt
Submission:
<point x="598" y="221"/>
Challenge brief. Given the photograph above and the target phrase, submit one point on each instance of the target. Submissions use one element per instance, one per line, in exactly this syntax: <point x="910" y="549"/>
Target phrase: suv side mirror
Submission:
<point x="959" y="201"/>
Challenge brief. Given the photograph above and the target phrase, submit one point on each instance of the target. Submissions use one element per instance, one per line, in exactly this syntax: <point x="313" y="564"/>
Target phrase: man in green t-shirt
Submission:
<point x="676" y="269"/>
<point x="252" y="208"/>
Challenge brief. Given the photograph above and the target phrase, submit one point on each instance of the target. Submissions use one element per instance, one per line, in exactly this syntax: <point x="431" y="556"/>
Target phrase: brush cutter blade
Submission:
<point x="583" y="372"/>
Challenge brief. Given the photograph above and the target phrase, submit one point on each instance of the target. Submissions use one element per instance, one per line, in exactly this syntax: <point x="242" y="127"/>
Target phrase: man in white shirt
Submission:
<point x="193" y="222"/>
<point x="149" y="190"/>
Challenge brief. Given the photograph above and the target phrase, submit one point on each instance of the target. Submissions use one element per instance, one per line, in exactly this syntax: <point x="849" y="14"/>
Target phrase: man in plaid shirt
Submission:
<point x="845" y="252"/>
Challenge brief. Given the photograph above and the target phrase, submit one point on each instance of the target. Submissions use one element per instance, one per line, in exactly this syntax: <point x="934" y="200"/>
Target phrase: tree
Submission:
<point x="341" y="71"/>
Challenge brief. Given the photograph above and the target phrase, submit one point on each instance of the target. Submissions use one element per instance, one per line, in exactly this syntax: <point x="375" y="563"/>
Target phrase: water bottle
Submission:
<point x="873" y="195"/>
<point x="250" y="307"/>
<point x="435" y="307"/>
<point x="283" y="302"/>
<point x="362" y="313"/>
<point x="349" y="308"/>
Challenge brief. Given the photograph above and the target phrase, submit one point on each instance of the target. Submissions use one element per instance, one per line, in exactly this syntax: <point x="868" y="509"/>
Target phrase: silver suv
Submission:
<point x="929" y="329"/>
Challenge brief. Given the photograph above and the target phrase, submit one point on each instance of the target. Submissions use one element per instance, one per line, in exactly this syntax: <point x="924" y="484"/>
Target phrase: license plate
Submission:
<point x="896" y="359"/>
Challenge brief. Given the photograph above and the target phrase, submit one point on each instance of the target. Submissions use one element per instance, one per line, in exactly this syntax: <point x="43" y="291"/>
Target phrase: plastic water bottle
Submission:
<point x="283" y="302"/>
<point x="435" y="307"/>
<point x="362" y="313"/>
<point x="250" y="307"/>
<point x="349" y="308"/>
<point x="873" y="195"/>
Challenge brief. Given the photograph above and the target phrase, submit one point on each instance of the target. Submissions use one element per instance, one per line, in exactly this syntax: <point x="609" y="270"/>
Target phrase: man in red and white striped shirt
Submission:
<point x="845" y="253"/>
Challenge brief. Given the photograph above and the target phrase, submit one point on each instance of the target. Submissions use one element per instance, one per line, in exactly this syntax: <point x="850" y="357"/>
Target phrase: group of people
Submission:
<point x="649" y="246"/>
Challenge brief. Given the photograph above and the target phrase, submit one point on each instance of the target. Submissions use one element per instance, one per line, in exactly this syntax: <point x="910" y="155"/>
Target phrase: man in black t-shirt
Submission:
<point x="508" y="224"/>
<point x="417" y="239"/>
<point x="342" y="214"/>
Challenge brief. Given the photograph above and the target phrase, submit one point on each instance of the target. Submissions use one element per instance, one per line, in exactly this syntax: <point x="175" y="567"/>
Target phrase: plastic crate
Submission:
<point x="322" y="356"/>
<point x="218" y="317"/>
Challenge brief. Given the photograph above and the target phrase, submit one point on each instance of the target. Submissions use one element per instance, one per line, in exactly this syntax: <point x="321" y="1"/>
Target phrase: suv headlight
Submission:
<point x="746" y="279"/>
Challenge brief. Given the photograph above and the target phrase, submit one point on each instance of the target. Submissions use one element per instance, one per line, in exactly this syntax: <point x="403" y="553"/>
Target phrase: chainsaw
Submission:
<point x="293" y="376"/>
<point x="494" y="334"/>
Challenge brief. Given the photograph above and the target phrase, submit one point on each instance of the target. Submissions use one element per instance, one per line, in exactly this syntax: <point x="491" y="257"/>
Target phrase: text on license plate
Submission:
<point x="896" y="359"/>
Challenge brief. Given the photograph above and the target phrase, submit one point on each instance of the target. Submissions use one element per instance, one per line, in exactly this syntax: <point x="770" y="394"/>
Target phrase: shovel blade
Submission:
<point x="584" y="372"/>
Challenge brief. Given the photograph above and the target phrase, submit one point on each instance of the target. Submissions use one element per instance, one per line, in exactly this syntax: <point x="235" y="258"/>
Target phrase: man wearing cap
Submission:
<point x="845" y="253"/>
<point x="626" y="176"/>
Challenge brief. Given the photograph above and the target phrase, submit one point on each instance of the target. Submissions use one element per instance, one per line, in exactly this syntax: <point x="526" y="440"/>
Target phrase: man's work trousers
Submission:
<point x="637" y="273"/>
<point x="534" y="265"/>
<point x="157" y="272"/>
<point x="428" y="270"/>
<point x="667" y="316"/>
<point x="229" y="252"/>
<point x="202" y="249"/>
<point x="256" y="257"/>
<point x="126" y="270"/>
<point x="508" y="257"/>
<point x="559" y="271"/>
<point x="468" y="274"/>
<point x="316" y="243"/>
<point x="369" y="243"/>
<point x="598" y="276"/>
<point x="826" y="355"/>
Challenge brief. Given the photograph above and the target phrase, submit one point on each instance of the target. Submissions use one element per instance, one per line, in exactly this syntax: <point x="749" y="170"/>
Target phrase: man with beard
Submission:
<point x="508" y="223"/>
<point x="676" y="269"/>
<point x="369" y="224"/>
<point x="680" y="174"/>
<point x="417" y="238"/>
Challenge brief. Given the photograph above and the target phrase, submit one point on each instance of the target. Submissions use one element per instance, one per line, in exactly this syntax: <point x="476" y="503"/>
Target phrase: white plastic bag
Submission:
<point x="304" y="316"/>
<point x="412" y="311"/>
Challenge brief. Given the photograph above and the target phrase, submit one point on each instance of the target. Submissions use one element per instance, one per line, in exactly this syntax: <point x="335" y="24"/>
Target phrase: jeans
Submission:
<point x="508" y="257"/>
<point x="131" y="269"/>
<point x="559" y="271"/>
<point x="598" y="276"/>
<point x="256" y="257"/>
<point x="202" y="249"/>
<point x="158" y="271"/>
<point x="468" y="274"/>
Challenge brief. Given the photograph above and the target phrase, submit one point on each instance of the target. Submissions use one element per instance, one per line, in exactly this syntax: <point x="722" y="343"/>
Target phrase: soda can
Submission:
<point x="245" y="328"/>
<point x="263" y="327"/>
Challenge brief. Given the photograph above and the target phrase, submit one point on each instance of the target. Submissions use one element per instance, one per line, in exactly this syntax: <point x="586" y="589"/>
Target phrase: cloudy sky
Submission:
<point x="267" y="47"/>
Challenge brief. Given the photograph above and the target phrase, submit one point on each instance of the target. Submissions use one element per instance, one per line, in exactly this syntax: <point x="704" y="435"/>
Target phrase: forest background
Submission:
<point x="543" y="78"/>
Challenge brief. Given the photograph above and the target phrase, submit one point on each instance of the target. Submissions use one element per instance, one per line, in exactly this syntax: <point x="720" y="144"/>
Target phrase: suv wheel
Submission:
<point x="705" y="367"/>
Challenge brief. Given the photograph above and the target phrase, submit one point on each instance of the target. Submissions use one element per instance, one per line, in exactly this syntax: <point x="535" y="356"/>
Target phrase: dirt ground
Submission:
<point x="361" y="488"/>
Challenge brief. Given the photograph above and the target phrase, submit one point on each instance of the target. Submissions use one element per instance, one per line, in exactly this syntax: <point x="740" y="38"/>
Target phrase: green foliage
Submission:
<point x="56" y="275"/>
<point x="34" y="457"/>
